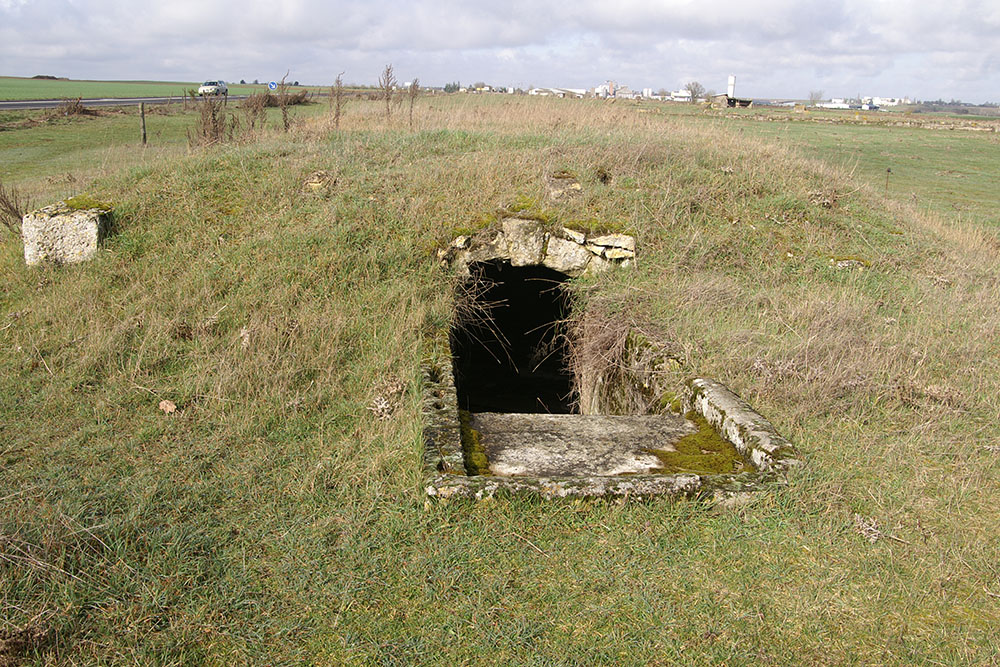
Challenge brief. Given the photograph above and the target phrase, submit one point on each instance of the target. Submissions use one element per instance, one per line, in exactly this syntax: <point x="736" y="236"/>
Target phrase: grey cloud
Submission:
<point x="776" y="47"/>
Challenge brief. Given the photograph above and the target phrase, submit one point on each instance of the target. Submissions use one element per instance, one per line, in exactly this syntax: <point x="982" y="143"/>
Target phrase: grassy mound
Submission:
<point x="277" y="516"/>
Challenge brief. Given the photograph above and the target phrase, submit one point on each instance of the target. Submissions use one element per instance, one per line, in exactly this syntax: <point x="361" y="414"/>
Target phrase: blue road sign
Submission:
<point x="272" y="85"/>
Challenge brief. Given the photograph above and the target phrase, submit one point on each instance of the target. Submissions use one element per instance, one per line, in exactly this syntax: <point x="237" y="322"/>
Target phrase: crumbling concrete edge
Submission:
<point x="754" y="437"/>
<point x="442" y="430"/>
<point x="719" y="488"/>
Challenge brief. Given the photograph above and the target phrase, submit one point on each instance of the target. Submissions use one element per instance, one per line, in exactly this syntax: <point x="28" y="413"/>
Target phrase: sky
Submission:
<point x="776" y="48"/>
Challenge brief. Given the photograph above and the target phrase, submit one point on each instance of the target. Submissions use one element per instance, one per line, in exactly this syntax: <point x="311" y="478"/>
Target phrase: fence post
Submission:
<point x="142" y="120"/>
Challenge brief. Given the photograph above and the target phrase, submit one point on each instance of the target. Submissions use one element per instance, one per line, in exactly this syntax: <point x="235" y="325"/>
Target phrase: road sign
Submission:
<point x="272" y="85"/>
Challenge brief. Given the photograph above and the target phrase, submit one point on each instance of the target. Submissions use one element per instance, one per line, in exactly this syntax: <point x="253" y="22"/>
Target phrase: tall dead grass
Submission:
<point x="13" y="206"/>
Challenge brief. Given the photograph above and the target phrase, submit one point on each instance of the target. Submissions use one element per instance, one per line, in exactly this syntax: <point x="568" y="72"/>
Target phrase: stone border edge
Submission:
<point x="754" y="437"/>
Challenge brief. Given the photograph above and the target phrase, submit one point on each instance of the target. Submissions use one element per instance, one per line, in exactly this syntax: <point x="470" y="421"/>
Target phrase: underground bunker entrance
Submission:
<point x="507" y="342"/>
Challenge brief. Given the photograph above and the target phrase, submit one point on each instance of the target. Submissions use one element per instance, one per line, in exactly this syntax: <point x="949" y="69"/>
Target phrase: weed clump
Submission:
<point x="254" y="111"/>
<point x="13" y="206"/>
<point x="337" y="99"/>
<point x="386" y="86"/>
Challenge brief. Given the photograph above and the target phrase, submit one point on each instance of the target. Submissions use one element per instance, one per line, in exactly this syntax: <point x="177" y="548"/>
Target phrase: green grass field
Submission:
<point x="952" y="173"/>
<point x="16" y="88"/>
<point x="274" y="519"/>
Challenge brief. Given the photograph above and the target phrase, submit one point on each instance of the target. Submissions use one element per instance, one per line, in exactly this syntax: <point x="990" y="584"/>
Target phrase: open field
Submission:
<point x="50" y="156"/>
<point x="275" y="519"/>
<point x="16" y="88"/>
<point x="951" y="171"/>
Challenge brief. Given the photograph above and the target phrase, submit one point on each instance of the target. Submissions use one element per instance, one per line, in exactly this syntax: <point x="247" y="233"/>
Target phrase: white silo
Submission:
<point x="732" y="85"/>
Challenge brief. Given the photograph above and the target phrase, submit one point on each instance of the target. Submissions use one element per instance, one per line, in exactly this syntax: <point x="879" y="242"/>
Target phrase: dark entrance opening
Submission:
<point x="508" y="347"/>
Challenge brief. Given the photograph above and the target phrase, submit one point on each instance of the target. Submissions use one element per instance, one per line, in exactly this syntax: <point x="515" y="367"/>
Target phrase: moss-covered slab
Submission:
<point x="542" y="445"/>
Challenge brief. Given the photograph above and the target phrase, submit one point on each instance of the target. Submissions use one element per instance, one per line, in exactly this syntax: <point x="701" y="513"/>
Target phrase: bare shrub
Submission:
<point x="293" y="99"/>
<point x="617" y="369"/>
<point x="13" y="206"/>
<point x="283" y="102"/>
<point x="212" y="124"/>
<point x="387" y="84"/>
<point x="413" y="91"/>
<point x="337" y="99"/>
<point x="73" y="107"/>
<point x="254" y="112"/>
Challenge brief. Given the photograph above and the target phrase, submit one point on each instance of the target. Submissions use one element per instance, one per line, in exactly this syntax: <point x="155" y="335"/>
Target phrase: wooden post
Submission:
<point x="142" y="120"/>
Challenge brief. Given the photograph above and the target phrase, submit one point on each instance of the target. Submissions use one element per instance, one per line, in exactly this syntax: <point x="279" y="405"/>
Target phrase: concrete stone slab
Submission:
<point x="540" y="445"/>
<point x="61" y="234"/>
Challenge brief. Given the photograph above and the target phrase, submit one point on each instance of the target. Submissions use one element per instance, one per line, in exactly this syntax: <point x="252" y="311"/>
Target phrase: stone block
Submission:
<point x="573" y="235"/>
<point x="62" y="234"/>
<point x="525" y="241"/>
<point x="619" y="253"/>
<point x="566" y="257"/>
<point x="622" y="241"/>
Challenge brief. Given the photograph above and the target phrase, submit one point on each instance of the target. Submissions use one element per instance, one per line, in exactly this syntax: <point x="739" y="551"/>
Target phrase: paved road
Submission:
<point x="101" y="102"/>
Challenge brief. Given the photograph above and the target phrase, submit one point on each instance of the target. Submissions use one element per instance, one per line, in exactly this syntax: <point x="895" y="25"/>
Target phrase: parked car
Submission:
<point x="213" y="88"/>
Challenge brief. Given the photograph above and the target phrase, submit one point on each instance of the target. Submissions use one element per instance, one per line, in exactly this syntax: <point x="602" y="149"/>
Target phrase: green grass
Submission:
<point x="15" y="88"/>
<point x="273" y="519"/>
<point x="951" y="172"/>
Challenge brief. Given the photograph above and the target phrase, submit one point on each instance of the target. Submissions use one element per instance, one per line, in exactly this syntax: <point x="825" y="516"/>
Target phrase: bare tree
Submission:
<point x="815" y="96"/>
<point x="696" y="89"/>
<point x="387" y="83"/>
<point x="414" y="90"/>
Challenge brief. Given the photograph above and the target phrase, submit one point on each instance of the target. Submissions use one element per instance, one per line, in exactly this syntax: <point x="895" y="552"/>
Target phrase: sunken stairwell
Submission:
<point x="503" y="403"/>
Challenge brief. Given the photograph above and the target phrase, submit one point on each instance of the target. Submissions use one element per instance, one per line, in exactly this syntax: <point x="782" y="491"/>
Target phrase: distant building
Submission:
<point x="727" y="101"/>
<point x="605" y="90"/>
<point x="576" y="93"/>
<point x="625" y="93"/>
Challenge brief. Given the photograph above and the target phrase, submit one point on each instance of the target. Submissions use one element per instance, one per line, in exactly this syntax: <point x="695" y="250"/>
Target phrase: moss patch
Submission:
<point x="527" y="208"/>
<point x="672" y="402"/>
<point x="473" y="452"/>
<point x="86" y="203"/>
<point x="704" y="452"/>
